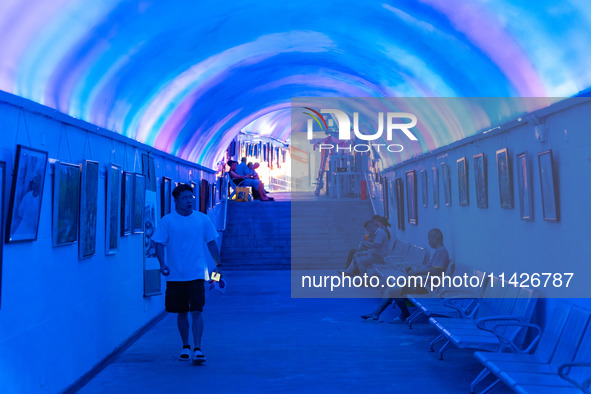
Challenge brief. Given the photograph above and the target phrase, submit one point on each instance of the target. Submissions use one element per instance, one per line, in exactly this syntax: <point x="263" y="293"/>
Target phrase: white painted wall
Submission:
<point x="495" y="238"/>
<point x="60" y="316"/>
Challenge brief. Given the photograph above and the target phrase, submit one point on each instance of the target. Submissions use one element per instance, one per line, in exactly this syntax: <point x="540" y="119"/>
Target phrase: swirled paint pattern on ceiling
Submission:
<point x="186" y="76"/>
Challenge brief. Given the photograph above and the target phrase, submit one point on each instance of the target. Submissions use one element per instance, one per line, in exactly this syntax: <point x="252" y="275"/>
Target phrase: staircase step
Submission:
<point x="316" y="234"/>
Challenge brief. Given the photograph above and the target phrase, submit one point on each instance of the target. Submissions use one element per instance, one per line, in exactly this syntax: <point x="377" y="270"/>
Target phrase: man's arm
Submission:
<point x="160" y="256"/>
<point x="215" y="254"/>
<point x="234" y="175"/>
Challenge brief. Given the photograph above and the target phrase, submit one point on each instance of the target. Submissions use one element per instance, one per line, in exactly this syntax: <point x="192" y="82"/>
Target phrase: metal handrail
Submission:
<point x="225" y="186"/>
<point x="368" y="180"/>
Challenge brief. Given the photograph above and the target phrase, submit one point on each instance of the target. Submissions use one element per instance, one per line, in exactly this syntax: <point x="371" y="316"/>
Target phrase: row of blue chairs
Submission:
<point x="495" y="321"/>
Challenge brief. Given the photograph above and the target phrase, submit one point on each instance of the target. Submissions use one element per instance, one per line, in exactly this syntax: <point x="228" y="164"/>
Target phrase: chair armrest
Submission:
<point x="393" y="259"/>
<point x="503" y="339"/>
<point x="483" y="322"/>
<point x="457" y="293"/>
<point x="584" y="385"/>
<point x="464" y="311"/>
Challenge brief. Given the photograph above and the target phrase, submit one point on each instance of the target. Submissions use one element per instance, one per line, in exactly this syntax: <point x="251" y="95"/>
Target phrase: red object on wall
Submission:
<point x="363" y="188"/>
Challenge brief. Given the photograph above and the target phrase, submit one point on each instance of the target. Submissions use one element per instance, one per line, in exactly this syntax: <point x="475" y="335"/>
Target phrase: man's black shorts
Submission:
<point x="185" y="296"/>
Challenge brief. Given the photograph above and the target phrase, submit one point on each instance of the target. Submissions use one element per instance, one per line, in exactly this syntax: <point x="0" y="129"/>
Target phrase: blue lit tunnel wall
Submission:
<point x="186" y="77"/>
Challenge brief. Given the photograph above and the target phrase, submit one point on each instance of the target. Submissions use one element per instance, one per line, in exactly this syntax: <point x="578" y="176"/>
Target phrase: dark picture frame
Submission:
<point x="411" y="196"/>
<point x="66" y="204"/>
<point x="139" y="202"/>
<point x="435" y="186"/>
<point x="480" y="180"/>
<point x="112" y="208"/>
<point x="505" y="178"/>
<point x="149" y="171"/>
<point x="425" y="188"/>
<point x="126" y="203"/>
<point x="446" y="183"/>
<point x="213" y="195"/>
<point x="526" y="201"/>
<point x="386" y="199"/>
<point x="463" y="190"/>
<point x="392" y="195"/>
<point x="166" y="196"/>
<point x="195" y="195"/>
<point x="27" y="194"/>
<point x="400" y="203"/>
<point x="2" y="205"/>
<point x="550" y="206"/>
<point x="203" y="193"/>
<point x="88" y="209"/>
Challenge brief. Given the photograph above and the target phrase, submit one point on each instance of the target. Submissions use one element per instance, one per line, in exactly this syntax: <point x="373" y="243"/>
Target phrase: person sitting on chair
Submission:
<point x="376" y="250"/>
<point x="438" y="264"/>
<point x="242" y="168"/>
<point x="247" y="181"/>
<point x="255" y="193"/>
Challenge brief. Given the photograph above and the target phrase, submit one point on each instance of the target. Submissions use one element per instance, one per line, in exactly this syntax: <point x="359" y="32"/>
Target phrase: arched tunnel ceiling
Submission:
<point x="186" y="76"/>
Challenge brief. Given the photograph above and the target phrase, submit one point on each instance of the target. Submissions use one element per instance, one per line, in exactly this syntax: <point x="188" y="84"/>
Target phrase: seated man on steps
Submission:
<point x="247" y="181"/>
<point x="436" y="265"/>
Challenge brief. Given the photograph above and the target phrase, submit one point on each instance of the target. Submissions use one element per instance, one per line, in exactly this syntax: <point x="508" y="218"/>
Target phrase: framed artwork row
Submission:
<point x="549" y="193"/>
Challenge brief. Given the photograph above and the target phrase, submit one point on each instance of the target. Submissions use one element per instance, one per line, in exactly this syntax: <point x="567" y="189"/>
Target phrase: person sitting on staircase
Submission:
<point x="247" y="181"/>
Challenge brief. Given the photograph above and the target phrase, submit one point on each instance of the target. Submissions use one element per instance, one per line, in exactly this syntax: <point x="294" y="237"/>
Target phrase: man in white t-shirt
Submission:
<point x="186" y="234"/>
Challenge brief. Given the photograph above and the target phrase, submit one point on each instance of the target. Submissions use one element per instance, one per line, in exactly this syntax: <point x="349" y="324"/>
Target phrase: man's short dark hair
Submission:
<point x="243" y="160"/>
<point x="437" y="233"/>
<point x="230" y="162"/>
<point x="381" y="219"/>
<point x="181" y="188"/>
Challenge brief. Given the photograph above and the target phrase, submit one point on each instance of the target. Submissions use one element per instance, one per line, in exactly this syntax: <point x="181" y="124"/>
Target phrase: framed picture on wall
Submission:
<point x="149" y="171"/>
<point x="526" y="207"/>
<point x="113" y="209"/>
<point x="2" y="205"/>
<point x="424" y="189"/>
<point x="480" y="180"/>
<point x="505" y="178"/>
<point x="547" y="184"/>
<point x="195" y="195"/>
<point x="463" y="191"/>
<point x="66" y="203"/>
<point x="386" y="199"/>
<point x="400" y="203"/>
<point x="203" y="191"/>
<point x="126" y="203"/>
<point x="27" y="192"/>
<point x="139" y="202"/>
<point x="88" y="209"/>
<point x="446" y="184"/>
<point x="392" y="195"/>
<point x="213" y="195"/>
<point x="435" y="186"/>
<point x="411" y="196"/>
<point x="166" y="198"/>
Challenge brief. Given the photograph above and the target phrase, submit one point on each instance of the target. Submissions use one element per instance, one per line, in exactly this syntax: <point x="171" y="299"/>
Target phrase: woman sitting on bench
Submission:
<point x="248" y="181"/>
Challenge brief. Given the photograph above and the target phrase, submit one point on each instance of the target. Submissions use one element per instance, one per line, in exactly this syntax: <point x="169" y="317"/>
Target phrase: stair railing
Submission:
<point x="225" y="193"/>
